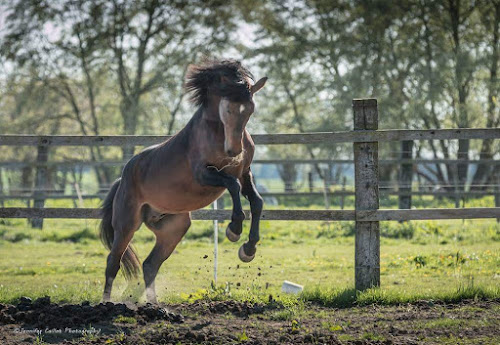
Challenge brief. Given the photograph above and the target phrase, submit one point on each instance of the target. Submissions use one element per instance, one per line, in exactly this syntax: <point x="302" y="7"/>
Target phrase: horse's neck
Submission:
<point x="201" y="117"/>
<point x="206" y="120"/>
<point x="210" y="112"/>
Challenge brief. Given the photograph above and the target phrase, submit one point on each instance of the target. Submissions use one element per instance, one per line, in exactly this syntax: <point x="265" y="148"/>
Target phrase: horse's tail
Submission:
<point x="130" y="263"/>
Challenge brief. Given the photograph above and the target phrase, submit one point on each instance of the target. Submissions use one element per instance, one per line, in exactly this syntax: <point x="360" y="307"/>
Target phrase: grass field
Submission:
<point x="425" y="265"/>
<point x="419" y="260"/>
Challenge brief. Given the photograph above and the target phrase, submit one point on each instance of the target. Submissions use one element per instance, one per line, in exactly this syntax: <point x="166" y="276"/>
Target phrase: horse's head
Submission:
<point x="225" y="88"/>
<point x="235" y="115"/>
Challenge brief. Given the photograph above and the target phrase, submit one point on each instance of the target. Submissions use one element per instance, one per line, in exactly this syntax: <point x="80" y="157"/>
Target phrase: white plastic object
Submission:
<point x="289" y="287"/>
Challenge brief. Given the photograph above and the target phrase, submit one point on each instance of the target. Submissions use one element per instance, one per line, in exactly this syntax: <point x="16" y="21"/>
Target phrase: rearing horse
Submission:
<point x="161" y="185"/>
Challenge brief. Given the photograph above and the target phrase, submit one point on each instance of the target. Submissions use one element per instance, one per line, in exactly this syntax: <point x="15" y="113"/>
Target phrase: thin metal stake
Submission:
<point x="216" y="243"/>
<point x="80" y="201"/>
<point x="79" y="195"/>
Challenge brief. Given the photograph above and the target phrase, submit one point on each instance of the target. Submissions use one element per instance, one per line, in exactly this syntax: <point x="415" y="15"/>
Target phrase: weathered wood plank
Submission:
<point x="40" y="183"/>
<point x="381" y="191"/>
<point x="425" y="214"/>
<point x="15" y="164"/>
<point x="67" y="164"/>
<point x="317" y="215"/>
<point x="381" y="161"/>
<point x="262" y="139"/>
<point x="341" y="193"/>
<point x="205" y="214"/>
<point x="64" y="213"/>
<point x="367" y="233"/>
<point x="497" y="194"/>
<point x="405" y="175"/>
<point x="82" y="140"/>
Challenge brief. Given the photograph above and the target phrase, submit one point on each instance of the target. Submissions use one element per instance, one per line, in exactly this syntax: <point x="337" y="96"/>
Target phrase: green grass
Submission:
<point x="125" y="319"/>
<point x="452" y="324"/>
<point x="454" y="340"/>
<point x="343" y="298"/>
<point x="429" y="260"/>
<point x="373" y="336"/>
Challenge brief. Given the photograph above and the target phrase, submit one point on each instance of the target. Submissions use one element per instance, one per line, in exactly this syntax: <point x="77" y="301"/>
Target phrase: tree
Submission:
<point x="99" y="56"/>
<point x="420" y="59"/>
<point x="149" y="40"/>
<point x="490" y="18"/>
<point x="144" y="44"/>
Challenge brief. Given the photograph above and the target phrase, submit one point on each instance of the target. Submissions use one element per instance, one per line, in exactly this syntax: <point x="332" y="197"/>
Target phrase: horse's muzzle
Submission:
<point x="232" y="153"/>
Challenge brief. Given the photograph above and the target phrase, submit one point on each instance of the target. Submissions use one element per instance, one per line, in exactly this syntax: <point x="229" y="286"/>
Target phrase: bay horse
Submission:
<point x="161" y="185"/>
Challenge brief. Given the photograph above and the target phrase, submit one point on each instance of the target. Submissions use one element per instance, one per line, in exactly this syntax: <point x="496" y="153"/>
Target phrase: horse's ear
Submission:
<point x="258" y="85"/>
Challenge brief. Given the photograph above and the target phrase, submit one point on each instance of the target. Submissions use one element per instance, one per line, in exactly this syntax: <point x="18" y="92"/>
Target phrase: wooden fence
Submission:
<point x="335" y="193"/>
<point x="402" y="189"/>
<point x="367" y="215"/>
<point x="413" y="161"/>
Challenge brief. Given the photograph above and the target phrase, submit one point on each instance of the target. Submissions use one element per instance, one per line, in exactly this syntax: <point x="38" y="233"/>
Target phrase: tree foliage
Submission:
<point x="116" y="67"/>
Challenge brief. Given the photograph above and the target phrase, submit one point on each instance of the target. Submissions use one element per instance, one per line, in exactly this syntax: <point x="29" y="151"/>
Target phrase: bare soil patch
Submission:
<point x="202" y="322"/>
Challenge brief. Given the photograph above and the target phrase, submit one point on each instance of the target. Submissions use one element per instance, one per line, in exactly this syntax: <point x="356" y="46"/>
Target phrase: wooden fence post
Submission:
<point x="497" y="194"/>
<point x="456" y="186"/>
<point x="326" y="188"/>
<point x="367" y="242"/>
<point x="1" y="188"/>
<point x="405" y="174"/>
<point x="342" y="195"/>
<point x="40" y="182"/>
<point x="310" y="181"/>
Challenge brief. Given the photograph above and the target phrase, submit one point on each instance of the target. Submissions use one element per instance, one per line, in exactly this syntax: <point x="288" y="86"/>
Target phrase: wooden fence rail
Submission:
<point x="117" y="163"/>
<point x="461" y="194"/>
<point x="367" y="215"/>
<point x="306" y="215"/>
<point x="261" y="139"/>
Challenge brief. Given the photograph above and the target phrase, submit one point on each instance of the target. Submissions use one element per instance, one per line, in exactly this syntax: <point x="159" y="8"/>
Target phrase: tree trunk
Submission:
<point x="463" y="74"/>
<point x="130" y="113"/>
<point x="406" y="175"/>
<point x="40" y="183"/>
<point x="485" y="169"/>
<point x="26" y="179"/>
<point x="288" y="173"/>
<point x="310" y="181"/>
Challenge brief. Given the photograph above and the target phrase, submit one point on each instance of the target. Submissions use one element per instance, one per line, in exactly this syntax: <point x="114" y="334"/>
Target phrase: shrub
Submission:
<point x="15" y="236"/>
<point x="404" y="230"/>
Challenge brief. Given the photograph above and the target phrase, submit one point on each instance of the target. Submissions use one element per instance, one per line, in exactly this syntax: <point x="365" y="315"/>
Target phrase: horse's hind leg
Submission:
<point x="168" y="231"/>
<point x="126" y="220"/>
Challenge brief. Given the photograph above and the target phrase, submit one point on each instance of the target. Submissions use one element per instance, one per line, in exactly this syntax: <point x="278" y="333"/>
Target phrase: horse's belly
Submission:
<point x="178" y="200"/>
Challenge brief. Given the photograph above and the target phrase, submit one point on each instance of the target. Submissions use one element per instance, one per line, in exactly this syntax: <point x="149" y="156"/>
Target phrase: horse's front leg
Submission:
<point x="248" y="249"/>
<point x="210" y="176"/>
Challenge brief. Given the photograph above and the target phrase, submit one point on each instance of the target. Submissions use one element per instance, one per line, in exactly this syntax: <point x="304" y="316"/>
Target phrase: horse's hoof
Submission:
<point x="231" y="236"/>
<point x="243" y="256"/>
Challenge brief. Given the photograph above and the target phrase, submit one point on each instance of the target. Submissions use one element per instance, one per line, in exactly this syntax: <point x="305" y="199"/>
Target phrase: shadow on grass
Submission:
<point x="340" y="298"/>
<point x="346" y="298"/>
<point x="75" y="237"/>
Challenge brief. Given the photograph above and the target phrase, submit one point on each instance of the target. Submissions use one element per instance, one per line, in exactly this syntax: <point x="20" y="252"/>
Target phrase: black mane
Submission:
<point x="225" y="78"/>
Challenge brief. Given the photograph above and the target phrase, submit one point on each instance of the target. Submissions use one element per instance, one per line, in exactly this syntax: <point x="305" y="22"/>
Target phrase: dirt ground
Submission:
<point x="43" y="322"/>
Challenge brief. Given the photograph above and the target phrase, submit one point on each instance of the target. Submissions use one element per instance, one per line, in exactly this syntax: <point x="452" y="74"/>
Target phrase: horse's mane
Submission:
<point x="225" y="78"/>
